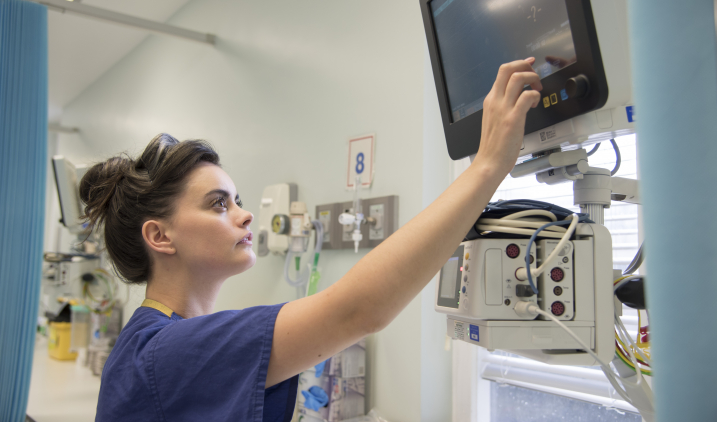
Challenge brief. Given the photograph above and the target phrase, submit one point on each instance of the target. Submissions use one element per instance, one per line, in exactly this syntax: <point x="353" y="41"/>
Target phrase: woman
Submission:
<point x="173" y="219"/>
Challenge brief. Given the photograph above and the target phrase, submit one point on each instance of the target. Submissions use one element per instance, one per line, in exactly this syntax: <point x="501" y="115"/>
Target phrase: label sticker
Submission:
<point x="546" y="102"/>
<point x="548" y="134"/>
<point x="459" y="331"/>
<point x="563" y="94"/>
<point x="631" y="115"/>
<point x="325" y="218"/>
<point x="474" y="333"/>
<point x="553" y="99"/>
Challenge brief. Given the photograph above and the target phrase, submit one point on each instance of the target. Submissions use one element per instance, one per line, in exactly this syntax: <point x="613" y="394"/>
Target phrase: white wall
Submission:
<point x="286" y="86"/>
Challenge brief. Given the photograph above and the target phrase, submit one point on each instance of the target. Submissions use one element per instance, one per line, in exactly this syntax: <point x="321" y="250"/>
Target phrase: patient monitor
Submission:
<point x="581" y="53"/>
<point x="582" y="57"/>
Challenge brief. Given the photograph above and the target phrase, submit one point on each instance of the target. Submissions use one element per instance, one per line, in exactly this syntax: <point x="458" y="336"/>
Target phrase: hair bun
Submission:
<point x="99" y="184"/>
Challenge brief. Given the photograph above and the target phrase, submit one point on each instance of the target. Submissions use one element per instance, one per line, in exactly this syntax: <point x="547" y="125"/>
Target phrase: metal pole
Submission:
<point x="121" y="18"/>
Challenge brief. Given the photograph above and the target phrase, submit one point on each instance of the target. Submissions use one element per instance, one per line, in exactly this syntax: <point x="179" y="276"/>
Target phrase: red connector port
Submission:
<point x="513" y="250"/>
<point x="557" y="308"/>
<point x="557" y="274"/>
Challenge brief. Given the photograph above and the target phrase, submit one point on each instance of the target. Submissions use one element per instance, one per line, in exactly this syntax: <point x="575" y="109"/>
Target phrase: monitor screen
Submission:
<point x="476" y="36"/>
<point x="449" y="276"/>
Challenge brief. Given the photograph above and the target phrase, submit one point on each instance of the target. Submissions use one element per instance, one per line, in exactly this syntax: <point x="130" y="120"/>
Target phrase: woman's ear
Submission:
<point x="155" y="235"/>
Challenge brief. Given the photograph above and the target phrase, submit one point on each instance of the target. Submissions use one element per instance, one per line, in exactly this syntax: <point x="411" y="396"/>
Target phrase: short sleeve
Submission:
<point x="214" y="367"/>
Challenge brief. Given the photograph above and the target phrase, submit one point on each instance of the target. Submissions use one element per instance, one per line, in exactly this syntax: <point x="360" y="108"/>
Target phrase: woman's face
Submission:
<point x="209" y="229"/>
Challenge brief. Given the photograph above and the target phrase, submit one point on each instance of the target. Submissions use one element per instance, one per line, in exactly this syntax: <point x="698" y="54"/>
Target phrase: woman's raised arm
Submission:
<point x="380" y="285"/>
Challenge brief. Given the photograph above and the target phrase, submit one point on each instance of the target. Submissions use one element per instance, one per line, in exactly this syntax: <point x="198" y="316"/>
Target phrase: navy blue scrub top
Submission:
<point x="212" y="367"/>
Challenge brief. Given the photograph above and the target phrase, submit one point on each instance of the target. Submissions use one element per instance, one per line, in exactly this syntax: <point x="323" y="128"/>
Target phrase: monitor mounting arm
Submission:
<point x="593" y="188"/>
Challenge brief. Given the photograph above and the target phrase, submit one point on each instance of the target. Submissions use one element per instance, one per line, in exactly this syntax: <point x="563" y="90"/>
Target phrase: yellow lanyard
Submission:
<point x="149" y="303"/>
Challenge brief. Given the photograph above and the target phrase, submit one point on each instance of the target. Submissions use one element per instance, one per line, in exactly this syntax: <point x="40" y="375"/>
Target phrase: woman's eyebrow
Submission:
<point x="221" y="192"/>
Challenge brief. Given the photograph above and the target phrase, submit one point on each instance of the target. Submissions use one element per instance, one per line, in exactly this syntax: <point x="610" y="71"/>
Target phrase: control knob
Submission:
<point x="577" y="87"/>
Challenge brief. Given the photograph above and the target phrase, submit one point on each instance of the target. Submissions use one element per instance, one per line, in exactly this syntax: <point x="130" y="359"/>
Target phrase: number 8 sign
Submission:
<point x="360" y="160"/>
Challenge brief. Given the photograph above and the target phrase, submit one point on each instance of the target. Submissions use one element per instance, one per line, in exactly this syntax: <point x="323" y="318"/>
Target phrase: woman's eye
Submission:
<point x="221" y="202"/>
<point x="240" y="204"/>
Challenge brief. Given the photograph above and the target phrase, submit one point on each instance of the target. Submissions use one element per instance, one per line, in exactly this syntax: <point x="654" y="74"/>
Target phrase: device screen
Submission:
<point x="449" y="274"/>
<point x="476" y="36"/>
<point x="449" y="281"/>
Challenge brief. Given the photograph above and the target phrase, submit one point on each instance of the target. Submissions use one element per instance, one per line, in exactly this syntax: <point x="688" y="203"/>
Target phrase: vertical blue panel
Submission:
<point x="675" y="90"/>
<point x="23" y="157"/>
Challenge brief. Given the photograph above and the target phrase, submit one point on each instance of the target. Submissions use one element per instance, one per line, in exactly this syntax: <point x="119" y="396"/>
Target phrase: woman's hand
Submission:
<point x="504" y="111"/>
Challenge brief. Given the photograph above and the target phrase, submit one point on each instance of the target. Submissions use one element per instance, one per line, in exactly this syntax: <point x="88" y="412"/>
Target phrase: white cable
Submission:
<point x="633" y="359"/>
<point x="512" y="230"/>
<point x="627" y="338"/>
<point x="521" y="214"/>
<point x="522" y="273"/>
<point x="559" y="247"/>
<point x="519" y="223"/>
<point x="631" y="341"/>
<point x="612" y="378"/>
<point x="524" y="223"/>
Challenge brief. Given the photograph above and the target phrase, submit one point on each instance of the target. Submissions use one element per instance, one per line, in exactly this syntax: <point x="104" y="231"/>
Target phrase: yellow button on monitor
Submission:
<point x="553" y="98"/>
<point x="546" y="102"/>
<point x="467" y="255"/>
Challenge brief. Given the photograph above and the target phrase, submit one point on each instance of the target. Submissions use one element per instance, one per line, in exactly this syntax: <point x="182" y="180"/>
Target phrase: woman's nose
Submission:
<point x="246" y="218"/>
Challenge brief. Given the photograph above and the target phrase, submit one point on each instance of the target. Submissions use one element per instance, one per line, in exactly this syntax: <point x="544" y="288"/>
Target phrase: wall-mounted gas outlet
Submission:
<point x="381" y="216"/>
<point x="329" y="216"/>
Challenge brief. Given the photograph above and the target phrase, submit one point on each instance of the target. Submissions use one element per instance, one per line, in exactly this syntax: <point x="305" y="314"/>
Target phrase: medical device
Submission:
<point x="533" y="281"/>
<point x="581" y="53"/>
<point x="67" y="177"/>
<point x="297" y="227"/>
<point x="355" y="216"/>
<point x="275" y="200"/>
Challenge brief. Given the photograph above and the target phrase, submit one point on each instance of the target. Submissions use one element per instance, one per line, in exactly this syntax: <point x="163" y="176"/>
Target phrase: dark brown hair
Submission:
<point x="121" y="194"/>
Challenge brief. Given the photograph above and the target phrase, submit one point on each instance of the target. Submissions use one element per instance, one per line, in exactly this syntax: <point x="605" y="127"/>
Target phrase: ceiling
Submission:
<point x="81" y="49"/>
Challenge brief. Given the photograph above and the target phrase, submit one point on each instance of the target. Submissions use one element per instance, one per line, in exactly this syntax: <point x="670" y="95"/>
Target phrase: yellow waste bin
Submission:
<point x="58" y="343"/>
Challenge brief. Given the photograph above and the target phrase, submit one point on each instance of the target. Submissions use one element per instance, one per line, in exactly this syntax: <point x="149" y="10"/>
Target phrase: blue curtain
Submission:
<point x="23" y="163"/>
<point x="674" y="54"/>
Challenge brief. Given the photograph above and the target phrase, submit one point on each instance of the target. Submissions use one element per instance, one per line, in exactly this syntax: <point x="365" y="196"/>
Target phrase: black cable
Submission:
<point x="595" y="148"/>
<point x="618" y="157"/>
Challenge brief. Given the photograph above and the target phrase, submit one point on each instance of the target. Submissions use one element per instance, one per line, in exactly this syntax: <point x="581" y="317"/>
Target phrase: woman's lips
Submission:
<point x="247" y="239"/>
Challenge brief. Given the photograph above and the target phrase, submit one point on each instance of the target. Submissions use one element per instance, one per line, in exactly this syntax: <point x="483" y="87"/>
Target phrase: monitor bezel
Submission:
<point x="463" y="136"/>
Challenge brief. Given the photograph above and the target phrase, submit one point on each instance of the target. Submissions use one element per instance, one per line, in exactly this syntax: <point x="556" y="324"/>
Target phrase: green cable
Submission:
<point x="629" y="364"/>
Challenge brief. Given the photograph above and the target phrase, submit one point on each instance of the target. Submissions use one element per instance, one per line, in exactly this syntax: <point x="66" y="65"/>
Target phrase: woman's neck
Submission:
<point x="186" y="295"/>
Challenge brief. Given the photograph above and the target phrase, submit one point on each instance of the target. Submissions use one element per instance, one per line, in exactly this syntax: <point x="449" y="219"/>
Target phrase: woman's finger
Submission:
<point x="526" y="101"/>
<point x="517" y="83"/>
<point x="506" y="70"/>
